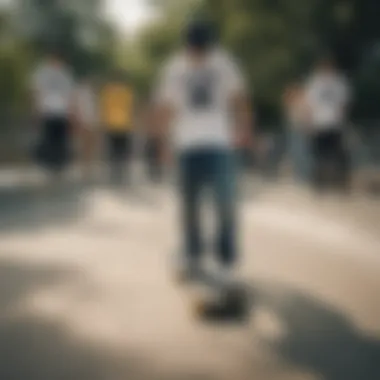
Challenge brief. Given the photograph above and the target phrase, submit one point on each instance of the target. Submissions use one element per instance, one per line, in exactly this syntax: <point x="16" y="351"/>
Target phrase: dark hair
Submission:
<point x="199" y="35"/>
<point x="54" y="51"/>
<point x="326" y="57"/>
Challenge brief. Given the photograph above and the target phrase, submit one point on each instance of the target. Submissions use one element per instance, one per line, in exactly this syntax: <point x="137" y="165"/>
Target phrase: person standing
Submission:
<point x="328" y="96"/>
<point x="202" y="95"/>
<point x="117" y="104"/>
<point x="295" y="108"/>
<point x="53" y="97"/>
<point x="87" y="114"/>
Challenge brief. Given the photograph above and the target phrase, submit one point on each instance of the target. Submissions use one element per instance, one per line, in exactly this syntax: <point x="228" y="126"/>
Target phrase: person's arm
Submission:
<point x="305" y="112"/>
<point x="162" y="112"/>
<point x="241" y="105"/>
<point x="308" y="100"/>
<point x="244" y="120"/>
<point x="161" y="120"/>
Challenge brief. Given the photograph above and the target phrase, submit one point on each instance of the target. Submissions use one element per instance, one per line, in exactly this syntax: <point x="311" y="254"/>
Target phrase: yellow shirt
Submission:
<point x="117" y="107"/>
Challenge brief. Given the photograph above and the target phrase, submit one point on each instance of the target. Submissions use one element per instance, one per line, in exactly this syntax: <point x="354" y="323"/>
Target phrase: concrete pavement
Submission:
<point x="87" y="293"/>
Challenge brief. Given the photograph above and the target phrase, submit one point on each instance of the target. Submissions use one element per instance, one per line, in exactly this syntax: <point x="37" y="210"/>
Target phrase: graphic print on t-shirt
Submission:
<point x="56" y="84"/>
<point x="201" y="87"/>
<point x="328" y="95"/>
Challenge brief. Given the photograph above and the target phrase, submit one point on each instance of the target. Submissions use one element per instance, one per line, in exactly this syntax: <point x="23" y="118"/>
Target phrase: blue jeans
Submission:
<point x="212" y="169"/>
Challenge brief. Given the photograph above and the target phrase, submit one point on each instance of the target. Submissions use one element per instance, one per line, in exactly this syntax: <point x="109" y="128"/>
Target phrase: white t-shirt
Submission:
<point x="53" y="87"/>
<point x="87" y="106"/>
<point x="201" y="98"/>
<point x="328" y="96"/>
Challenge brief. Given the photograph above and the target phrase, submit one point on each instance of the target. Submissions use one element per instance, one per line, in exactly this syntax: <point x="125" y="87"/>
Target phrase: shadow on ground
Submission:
<point x="19" y="280"/>
<point x="27" y="208"/>
<point x="35" y="348"/>
<point x="319" y="338"/>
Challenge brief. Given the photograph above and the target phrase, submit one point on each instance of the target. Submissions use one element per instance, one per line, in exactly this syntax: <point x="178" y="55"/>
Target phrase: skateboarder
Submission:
<point x="202" y="94"/>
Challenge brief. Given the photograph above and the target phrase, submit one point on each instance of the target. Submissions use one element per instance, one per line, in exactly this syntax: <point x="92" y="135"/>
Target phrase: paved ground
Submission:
<point x="86" y="290"/>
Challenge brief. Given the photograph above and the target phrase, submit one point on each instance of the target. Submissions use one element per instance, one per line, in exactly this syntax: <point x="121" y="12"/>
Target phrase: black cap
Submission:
<point x="199" y="35"/>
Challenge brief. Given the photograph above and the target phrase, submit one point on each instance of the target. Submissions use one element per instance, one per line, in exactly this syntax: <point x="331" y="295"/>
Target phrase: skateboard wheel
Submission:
<point x="198" y="308"/>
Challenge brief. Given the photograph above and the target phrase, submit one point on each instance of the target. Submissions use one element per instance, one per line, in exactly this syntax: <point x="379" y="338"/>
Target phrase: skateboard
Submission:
<point x="211" y="299"/>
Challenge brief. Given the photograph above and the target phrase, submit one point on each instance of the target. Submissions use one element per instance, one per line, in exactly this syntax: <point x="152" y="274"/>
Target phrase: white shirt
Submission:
<point x="328" y="96"/>
<point x="53" y="87"/>
<point x="201" y="97"/>
<point x="87" y="106"/>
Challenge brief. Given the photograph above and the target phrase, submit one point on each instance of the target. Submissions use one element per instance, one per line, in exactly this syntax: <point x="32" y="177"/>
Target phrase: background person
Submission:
<point x="328" y="96"/>
<point x="117" y="103"/>
<point x="88" y="119"/>
<point x="295" y="108"/>
<point x="53" y="97"/>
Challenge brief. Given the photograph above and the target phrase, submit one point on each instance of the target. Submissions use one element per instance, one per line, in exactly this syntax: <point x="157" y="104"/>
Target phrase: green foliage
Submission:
<point x="75" y="27"/>
<point x="15" y="60"/>
<point x="27" y="29"/>
<point x="157" y="41"/>
<point x="277" y="41"/>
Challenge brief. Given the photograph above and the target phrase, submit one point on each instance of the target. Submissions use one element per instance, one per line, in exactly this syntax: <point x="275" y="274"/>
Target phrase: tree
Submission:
<point x="15" y="58"/>
<point x="76" y="27"/>
<point x="158" y="40"/>
<point x="278" y="40"/>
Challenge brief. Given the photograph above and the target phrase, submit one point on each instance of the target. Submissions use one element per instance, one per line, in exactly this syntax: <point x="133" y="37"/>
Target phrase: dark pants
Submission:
<point x="119" y="149"/>
<point x="213" y="169"/>
<point x="54" y="149"/>
<point x="331" y="160"/>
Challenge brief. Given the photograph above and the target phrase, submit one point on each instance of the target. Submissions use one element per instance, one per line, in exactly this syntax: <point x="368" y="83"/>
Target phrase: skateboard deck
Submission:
<point x="212" y="299"/>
